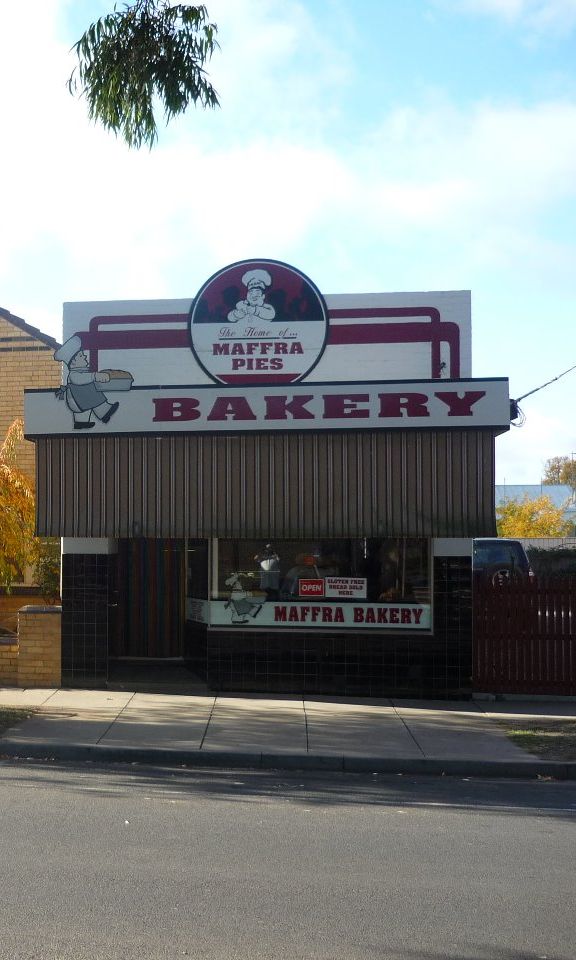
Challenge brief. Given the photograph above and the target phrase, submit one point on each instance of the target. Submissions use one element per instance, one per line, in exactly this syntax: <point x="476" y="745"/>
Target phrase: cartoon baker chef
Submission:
<point x="82" y="395"/>
<point x="254" y="306"/>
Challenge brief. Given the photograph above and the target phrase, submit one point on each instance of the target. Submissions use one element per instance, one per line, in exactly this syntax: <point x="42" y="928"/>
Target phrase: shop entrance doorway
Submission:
<point x="146" y="649"/>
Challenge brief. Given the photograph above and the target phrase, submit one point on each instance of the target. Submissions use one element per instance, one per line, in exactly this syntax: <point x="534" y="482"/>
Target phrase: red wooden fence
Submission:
<point x="525" y="637"/>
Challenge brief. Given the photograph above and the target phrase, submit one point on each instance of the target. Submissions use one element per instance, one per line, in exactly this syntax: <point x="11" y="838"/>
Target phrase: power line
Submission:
<point x="547" y="384"/>
<point x="516" y="413"/>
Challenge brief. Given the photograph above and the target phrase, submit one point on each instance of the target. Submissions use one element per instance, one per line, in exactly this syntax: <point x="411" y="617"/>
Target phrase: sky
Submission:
<point x="380" y="145"/>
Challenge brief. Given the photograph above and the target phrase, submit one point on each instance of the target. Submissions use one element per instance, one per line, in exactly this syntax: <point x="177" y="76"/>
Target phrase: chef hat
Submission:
<point x="68" y="349"/>
<point x="256" y="278"/>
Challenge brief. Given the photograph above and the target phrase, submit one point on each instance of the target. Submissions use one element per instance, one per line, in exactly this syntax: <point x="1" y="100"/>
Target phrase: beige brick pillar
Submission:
<point x="39" y="640"/>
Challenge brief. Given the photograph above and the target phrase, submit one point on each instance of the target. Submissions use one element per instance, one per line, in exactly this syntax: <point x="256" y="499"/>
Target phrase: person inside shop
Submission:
<point x="269" y="563"/>
<point x="393" y="585"/>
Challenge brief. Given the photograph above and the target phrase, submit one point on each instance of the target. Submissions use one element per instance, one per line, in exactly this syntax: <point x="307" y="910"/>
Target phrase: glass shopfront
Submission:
<point x="354" y="583"/>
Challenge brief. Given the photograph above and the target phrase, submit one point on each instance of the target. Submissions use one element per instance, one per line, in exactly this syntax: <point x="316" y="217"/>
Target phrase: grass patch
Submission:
<point x="547" y="739"/>
<point x="10" y="716"/>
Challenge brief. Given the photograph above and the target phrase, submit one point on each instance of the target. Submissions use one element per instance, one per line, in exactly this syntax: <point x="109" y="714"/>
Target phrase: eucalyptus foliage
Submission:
<point x="149" y="49"/>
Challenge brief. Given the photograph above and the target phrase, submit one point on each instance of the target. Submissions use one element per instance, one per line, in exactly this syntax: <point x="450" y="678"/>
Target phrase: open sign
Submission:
<point x="311" y="587"/>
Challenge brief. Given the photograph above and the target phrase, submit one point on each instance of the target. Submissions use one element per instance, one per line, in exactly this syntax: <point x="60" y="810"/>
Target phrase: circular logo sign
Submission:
<point x="258" y="321"/>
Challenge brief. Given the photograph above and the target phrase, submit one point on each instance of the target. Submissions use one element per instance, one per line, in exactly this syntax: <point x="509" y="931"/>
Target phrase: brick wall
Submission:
<point x="8" y="662"/>
<point x="25" y="361"/>
<point x="11" y="603"/>
<point x="39" y="637"/>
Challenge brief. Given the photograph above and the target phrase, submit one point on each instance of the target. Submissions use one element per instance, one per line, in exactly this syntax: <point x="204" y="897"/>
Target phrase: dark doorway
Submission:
<point x="147" y="640"/>
<point x="150" y="592"/>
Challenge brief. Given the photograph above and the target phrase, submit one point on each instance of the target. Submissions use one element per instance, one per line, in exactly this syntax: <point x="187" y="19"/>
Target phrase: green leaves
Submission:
<point x="149" y="49"/>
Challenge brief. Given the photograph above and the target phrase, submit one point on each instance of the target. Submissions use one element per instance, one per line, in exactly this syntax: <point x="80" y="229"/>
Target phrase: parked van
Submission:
<point x="499" y="560"/>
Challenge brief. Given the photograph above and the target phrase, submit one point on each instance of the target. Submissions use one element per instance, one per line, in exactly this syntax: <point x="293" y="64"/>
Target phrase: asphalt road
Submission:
<point x="137" y="863"/>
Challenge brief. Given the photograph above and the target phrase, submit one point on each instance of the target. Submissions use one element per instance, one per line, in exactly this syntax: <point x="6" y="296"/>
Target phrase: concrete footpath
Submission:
<point x="319" y="733"/>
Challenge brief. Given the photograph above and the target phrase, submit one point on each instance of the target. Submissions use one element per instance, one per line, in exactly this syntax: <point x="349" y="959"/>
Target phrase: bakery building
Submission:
<point x="269" y="488"/>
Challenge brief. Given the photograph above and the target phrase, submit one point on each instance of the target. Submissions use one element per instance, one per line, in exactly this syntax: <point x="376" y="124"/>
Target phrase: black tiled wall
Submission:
<point x="363" y="664"/>
<point x="452" y="666"/>
<point x="85" y="598"/>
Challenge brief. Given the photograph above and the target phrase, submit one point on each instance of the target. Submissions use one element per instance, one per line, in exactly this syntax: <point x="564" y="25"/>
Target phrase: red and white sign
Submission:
<point x="315" y="406"/>
<point x="388" y="336"/>
<point x="311" y="587"/>
<point x="258" y="321"/>
<point x="260" y="349"/>
<point x="320" y="614"/>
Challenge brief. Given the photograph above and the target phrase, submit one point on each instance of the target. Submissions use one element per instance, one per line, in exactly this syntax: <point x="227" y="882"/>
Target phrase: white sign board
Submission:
<point x="319" y="615"/>
<point x="386" y="336"/>
<point x="260" y="348"/>
<point x="313" y="406"/>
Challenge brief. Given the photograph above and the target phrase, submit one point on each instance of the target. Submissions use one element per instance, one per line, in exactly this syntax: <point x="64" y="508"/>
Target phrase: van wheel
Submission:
<point x="502" y="575"/>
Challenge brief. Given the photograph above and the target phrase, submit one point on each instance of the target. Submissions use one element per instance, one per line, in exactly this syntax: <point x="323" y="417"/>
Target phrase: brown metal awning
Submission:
<point x="397" y="483"/>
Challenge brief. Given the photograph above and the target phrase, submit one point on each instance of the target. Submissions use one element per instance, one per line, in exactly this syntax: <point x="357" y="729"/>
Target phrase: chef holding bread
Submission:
<point x="85" y="389"/>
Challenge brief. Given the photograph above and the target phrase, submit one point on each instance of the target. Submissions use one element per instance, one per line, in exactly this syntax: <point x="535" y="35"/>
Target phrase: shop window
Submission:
<point x="384" y="570"/>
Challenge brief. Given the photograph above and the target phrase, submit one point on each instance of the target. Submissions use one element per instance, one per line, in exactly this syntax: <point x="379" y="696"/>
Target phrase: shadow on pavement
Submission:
<point x="542" y="798"/>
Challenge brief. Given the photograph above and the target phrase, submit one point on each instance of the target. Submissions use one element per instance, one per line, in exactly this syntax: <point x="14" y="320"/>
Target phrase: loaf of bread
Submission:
<point x="118" y="374"/>
<point x="119" y="380"/>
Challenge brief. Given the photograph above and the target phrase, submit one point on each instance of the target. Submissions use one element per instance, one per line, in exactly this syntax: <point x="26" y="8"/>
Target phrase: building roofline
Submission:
<point x="27" y="328"/>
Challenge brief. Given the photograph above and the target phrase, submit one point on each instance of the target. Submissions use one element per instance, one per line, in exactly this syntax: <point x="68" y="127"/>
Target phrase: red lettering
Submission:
<point x="326" y="614"/>
<point x="394" y="615"/>
<point x="220" y="349"/>
<point x="339" y="406"/>
<point x="460" y="406"/>
<point x="382" y="615"/>
<point x="358" y="615"/>
<point x="280" y="614"/>
<point x="296" y="347"/>
<point x="278" y="408"/>
<point x="417" y="614"/>
<point x="394" y="405"/>
<point x="176" y="408"/>
<point x="405" y="615"/>
<point x="338" y="615"/>
<point x="315" y="613"/>
<point x="236" y="408"/>
<point x="293" y="615"/>
<point x="304" y="611"/>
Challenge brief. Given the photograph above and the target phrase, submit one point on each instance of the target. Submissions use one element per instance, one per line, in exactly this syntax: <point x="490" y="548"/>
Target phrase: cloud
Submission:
<point x="265" y="176"/>
<point x="536" y="16"/>
<point x="521" y="454"/>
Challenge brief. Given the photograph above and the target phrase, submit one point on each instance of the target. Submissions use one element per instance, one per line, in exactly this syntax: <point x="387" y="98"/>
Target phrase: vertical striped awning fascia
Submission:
<point x="397" y="483"/>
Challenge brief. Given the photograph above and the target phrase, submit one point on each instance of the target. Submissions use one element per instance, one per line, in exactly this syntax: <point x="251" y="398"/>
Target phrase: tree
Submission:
<point x="531" y="518"/>
<point x="47" y="567"/>
<point x="17" y="548"/>
<point x="149" y="49"/>
<point x="560" y="470"/>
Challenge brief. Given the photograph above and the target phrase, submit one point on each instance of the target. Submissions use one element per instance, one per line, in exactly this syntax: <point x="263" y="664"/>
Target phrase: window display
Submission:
<point x="356" y="583"/>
